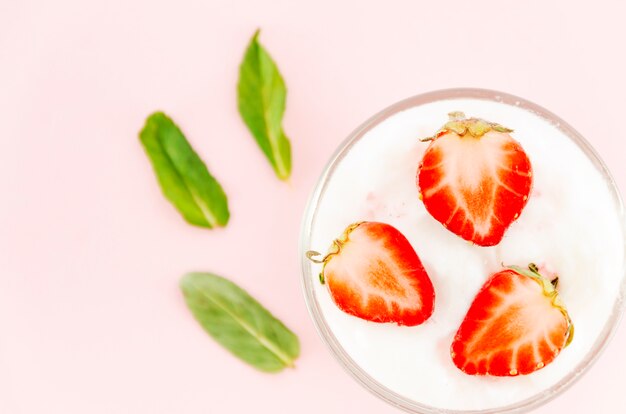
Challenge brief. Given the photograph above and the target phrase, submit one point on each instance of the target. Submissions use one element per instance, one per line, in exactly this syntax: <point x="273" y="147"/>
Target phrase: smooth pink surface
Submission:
<point x="91" y="318"/>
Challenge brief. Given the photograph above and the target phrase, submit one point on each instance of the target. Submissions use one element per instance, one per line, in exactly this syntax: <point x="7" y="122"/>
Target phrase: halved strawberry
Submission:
<point x="372" y="272"/>
<point x="474" y="178"/>
<point x="516" y="325"/>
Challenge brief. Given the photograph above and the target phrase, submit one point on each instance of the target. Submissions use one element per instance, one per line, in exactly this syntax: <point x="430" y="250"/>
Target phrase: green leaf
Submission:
<point x="183" y="177"/>
<point x="261" y="100"/>
<point x="240" y="323"/>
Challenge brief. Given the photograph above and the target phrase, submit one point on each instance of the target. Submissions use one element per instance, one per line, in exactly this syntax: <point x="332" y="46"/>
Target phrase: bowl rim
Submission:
<point x="307" y="280"/>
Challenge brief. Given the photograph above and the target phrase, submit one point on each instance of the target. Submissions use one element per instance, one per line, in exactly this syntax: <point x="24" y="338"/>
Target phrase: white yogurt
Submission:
<point x="571" y="224"/>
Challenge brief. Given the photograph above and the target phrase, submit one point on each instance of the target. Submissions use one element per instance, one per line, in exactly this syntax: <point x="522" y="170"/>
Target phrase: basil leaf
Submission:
<point x="261" y="100"/>
<point x="240" y="323"/>
<point x="184" y="179"/>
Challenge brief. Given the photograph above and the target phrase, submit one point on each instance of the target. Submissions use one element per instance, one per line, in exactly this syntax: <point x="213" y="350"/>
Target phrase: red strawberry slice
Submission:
<point x="475" y="179"/>
<point x="516" y="325"/>
<point x="372" y="272"/>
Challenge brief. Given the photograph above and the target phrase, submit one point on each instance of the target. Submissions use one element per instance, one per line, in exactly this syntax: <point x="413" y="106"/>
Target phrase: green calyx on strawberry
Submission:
<point x="516" y="325"/>
<point x="372" y="272"/>
<point x="474" y="178"/>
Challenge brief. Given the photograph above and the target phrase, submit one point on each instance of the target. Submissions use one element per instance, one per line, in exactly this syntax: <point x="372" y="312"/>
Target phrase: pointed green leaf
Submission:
<point x="239" y="323"/>
<point x="261" y="100"/>
<point x="183" y="177"/>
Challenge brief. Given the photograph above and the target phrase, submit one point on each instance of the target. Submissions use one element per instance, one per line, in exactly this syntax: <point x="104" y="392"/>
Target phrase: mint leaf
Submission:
<point x="184" y="179"/>
<point x="261" y="100"/>
<point x="239" y="323"/>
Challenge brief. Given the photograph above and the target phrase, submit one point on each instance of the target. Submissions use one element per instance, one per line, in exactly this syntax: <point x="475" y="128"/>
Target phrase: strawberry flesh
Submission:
<point x="515" y="326"/>
<point x="475" y="185"/>
<point x="374" y="273"/>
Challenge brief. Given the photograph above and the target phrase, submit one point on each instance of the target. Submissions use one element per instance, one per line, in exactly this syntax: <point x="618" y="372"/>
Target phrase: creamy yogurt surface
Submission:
<point x="572" y="225"/>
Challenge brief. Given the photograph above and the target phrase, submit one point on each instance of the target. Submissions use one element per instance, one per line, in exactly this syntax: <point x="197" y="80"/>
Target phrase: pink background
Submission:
<point x="91" y="318"/>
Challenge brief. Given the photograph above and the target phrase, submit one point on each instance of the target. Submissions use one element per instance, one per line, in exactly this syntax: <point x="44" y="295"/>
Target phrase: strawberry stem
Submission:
<point x="535" y="269"/>
<point x="334" y="250"/>
<point x="549" y="288"/>
<point x="456" y="116"/>
<point x="311" y="254"/>
<point x="461" y="125"/>
<point x="570" y="333"/>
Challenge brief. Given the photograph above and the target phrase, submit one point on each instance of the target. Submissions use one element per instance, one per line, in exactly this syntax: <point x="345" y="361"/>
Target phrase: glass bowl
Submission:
<point x="309" y="278"/>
